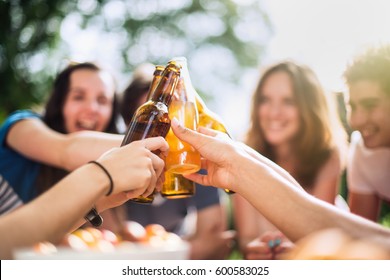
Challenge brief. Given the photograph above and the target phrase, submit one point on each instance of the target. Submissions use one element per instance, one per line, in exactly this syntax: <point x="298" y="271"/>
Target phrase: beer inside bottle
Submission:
<point x="182" y="158"/>
<point x="151" y="119"/>
<point x="176" y="186"/>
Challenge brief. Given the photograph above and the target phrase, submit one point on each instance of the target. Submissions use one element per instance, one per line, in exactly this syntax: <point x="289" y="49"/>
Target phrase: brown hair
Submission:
<point x="372" y="65"/>
<point x="53" y="118"/>
<point x="320" y="130"/>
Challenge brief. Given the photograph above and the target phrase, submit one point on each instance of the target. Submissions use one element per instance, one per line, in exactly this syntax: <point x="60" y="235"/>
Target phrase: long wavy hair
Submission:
<point x="320" y="132"/>
<point x="53" y="117"/>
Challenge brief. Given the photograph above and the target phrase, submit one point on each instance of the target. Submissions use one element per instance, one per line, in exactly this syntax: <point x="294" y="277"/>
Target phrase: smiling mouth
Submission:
<point x="368" y="132"/>
<point x="86" y="125"/>
<point x="275" y="127"/>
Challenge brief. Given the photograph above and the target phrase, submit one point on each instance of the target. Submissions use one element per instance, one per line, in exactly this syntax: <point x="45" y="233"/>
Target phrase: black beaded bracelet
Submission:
<point x="94" y="218"/>
<point x="108" y="175"/>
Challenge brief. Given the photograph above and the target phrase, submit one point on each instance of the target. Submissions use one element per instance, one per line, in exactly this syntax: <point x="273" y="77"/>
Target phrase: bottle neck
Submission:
<point x="164" y="97"/>
<point x="156" y="79"/>
<point x="165" y="88"/>
<point x="184" y="90"/>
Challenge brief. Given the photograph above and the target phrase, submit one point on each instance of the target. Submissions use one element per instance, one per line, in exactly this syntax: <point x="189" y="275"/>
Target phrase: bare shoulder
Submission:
<point x="24" y="129"/>
<point x="332" y="168"/>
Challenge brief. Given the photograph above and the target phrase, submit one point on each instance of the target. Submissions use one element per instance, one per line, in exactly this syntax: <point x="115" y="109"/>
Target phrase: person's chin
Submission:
<point x="276" y="141"/>
<point x="371" y="142"/>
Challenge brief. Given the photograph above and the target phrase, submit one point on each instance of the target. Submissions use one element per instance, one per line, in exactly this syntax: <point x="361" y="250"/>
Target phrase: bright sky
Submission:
<point x="326" y="34"/>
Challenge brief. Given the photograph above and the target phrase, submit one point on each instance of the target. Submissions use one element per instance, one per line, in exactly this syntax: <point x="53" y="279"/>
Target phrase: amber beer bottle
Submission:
<point x="182" y="158"/>
<point x="151" y="119"/>
<point x="176" y="186"/>
<point x="208" y="118"/>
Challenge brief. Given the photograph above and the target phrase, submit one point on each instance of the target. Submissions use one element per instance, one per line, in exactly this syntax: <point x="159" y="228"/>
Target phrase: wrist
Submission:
<point x="105" y="171"/>
<point x="242" y="173"/>
<point x="97" y="180"/>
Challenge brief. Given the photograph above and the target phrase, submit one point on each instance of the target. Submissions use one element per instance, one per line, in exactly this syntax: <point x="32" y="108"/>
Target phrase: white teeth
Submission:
<point x="87" y="124"/>
<point x="276" y="126"/>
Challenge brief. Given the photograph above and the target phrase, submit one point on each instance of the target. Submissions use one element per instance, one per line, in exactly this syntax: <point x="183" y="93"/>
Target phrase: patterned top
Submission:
<point x="8" y="198"/>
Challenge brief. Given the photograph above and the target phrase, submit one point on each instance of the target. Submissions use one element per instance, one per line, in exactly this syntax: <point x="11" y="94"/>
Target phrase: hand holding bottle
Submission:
<point x="151" y="119"/>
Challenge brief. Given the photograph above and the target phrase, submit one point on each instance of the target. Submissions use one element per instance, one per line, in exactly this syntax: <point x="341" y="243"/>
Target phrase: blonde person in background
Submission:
<point x="292" y="124"/>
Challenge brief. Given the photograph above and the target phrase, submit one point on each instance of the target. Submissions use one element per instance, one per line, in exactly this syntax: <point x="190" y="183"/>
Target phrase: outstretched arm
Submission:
<point x="271" y="191"/>
<point x="67" y="151"/>
<point x="135" y="170"/>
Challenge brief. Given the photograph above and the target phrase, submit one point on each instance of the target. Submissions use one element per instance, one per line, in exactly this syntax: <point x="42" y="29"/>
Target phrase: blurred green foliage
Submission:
<point x="385" y="214"/>
<point x="32" y="38"/>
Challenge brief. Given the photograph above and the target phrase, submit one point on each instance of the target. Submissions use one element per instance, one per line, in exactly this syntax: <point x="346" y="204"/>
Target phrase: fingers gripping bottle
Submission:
<point x="182" y="158"/>
<point x="151" y="119"/>
<point x="209" y="119"/>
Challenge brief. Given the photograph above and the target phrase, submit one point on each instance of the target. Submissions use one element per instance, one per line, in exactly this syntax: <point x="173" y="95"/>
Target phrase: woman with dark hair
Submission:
<point x="62" y="94"/>
<point x="40" y="150"/>
<point x="292" y="124"/>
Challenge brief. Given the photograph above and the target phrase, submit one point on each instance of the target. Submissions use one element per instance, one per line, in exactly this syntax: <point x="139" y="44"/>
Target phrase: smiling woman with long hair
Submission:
<point x="294" y="124"/>
<point x="83" y="98"/>
<point x="39" y="150"/>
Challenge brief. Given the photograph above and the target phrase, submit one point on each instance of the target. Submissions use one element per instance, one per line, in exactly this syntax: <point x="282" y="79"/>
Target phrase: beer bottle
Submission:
<point x="176" y="186"/>
<point x="156" y="79"/>
<point x="182" y="158"/>
<point x="208" y="118"/>
<point x="151" y="119"/>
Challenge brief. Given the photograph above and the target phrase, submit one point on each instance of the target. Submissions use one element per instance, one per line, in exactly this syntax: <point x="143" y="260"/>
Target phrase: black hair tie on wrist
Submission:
<point x="108" y="175"/>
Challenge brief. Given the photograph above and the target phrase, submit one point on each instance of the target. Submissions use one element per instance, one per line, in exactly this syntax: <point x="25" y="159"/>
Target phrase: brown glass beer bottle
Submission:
<point x="156" y="79"/>
<point x="151" y="119"/>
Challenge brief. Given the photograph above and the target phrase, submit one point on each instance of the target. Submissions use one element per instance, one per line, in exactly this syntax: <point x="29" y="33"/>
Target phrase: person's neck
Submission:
<point x="285" y="157"/>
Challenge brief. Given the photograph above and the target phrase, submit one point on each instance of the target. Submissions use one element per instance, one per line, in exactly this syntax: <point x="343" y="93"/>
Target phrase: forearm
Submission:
<point x="295" y="212"/>
<point x="66" y="151"/>
<point x="279" y="170"/>
<point x="53" y="214"/>
<point x="82" y="147"/>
